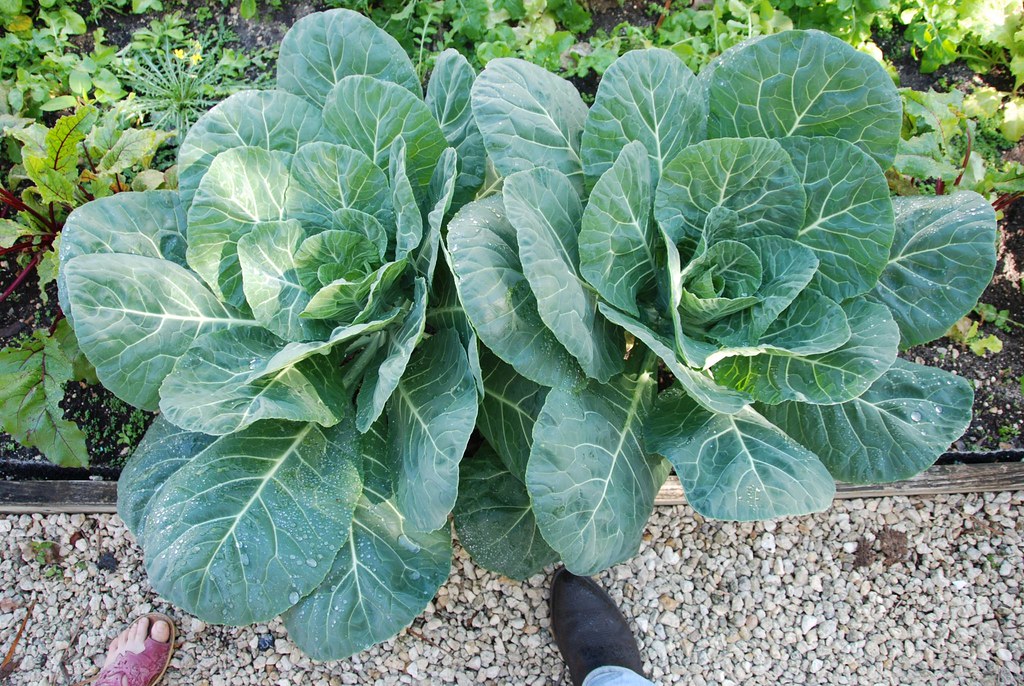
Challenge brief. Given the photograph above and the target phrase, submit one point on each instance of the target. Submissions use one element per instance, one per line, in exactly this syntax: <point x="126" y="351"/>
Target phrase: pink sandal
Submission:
<point x="140" y="669"/>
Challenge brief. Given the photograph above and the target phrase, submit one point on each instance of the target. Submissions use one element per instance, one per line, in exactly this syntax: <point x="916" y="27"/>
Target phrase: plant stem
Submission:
<point x="19" y="247"/>
<point x="357" y="366"/>
<point x="22" y="276"/>
<point x="967" y="157"/>
<point x="18" y="206"/>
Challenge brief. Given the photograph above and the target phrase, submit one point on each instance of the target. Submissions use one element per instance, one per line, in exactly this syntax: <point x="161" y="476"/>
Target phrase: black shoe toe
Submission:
<point x="588" y="628"/>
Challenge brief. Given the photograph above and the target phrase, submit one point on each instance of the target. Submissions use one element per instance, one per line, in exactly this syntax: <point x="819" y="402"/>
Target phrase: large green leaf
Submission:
<point x="220" y="385"/>
<point x="448" y="97"/>
<point x="823" y="378"/>
<point x="697" y="383"/>
<point x="590" y="477"/>
<point x="323" y="48"/>
<point x="508" y="411"/>
<point x="272" y="120"/>
<point x="494" y="519"/>
<point x="529" y="118"/>
<point x="368" y="115"/>
<point x="616" y="244"/>
<point x="545" y="210"/>
<point x="163" y="451"/>
<point x="648" y="96"/>
<point x="383" y="375"/>
<point x="787" y="267"/>
<point x="381" y="580"/>
<point x="942" y="259"/>
<point x="737" y="466"/>
<point x="752" y="177"/>
<point x="270" y="280"/>
<point x="896" y="429"/>
<point x="430" y="417"/>
<point x="849" y="217"/>
<point x="497" y="297"/>
<point x="244" y="187"/>
<point x="149" y="224"/>
<point x="243" y="531"/>
<point x="327" y="177"/>
<point x="804" y="83"/>
<point x="134" y="316"/>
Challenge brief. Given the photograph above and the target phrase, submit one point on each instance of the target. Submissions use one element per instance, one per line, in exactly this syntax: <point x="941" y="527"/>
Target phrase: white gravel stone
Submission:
<point x="711" y="603"/>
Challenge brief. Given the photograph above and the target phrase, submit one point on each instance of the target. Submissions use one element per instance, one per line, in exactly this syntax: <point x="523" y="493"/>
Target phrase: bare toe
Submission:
<point x="161" y="631"/>
<point x="140" y="630"/>
<point x="117" y="645"/>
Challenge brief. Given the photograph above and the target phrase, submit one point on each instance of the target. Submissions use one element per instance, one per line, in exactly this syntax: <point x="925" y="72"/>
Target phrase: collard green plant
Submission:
<point x="734" y="229"/>
<point x="321" y="340"/>
<point x="289" y="313"/>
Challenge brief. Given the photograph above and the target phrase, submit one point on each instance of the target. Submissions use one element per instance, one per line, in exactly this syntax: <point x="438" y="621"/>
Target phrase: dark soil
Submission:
<point x="899" y="52"/>
<point x="263" y="31"/>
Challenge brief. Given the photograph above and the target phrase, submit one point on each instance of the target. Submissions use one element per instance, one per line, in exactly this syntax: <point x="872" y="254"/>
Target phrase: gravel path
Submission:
<point x="886" y="591"/>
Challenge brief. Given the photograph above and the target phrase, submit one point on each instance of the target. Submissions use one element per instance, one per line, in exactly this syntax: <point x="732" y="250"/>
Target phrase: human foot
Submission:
<point x="139" y="655"/>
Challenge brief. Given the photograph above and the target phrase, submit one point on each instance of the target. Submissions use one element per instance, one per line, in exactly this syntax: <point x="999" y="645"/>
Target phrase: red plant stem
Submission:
<point x="1004" y="201"/>
<point x="56" y="321"/>
<point x="22" y="276"/>
<point x="20" y="247"/>
<point x="88" y="157"/>
<point x="661" y="19"/>
<point x="940" y="187"/>
<point x="967" y="157"/>
<point x="16" y="204"/>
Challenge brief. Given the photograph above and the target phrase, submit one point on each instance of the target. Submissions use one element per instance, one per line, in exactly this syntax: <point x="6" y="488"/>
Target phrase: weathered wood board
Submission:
<point x="101" y="496"/>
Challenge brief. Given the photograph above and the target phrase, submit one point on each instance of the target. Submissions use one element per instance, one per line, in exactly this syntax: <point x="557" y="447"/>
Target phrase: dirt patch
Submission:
<point x="908" y="68"/>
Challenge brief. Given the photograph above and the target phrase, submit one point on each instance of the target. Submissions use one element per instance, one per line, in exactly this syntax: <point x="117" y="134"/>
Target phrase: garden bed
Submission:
<point x="113" y="428"/>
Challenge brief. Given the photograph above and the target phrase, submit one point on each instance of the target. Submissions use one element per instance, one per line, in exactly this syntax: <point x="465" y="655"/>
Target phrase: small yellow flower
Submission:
<point x="196" y="58"/>
<point x="179" y="53"/>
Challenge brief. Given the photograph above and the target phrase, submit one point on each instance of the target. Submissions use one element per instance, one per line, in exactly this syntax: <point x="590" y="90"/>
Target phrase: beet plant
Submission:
<point x="735" y="229"/>
<point x="287" y="313"/>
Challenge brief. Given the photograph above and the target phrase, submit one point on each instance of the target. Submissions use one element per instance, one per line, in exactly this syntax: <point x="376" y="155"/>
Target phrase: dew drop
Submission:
<point x="293" y="597"/>
<point x="915" y="416"/>
<point x="311" y="562"/>
<point x="407" y="543"/>
<point x="244" y="559"/>
<point x="938" y="410"/>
